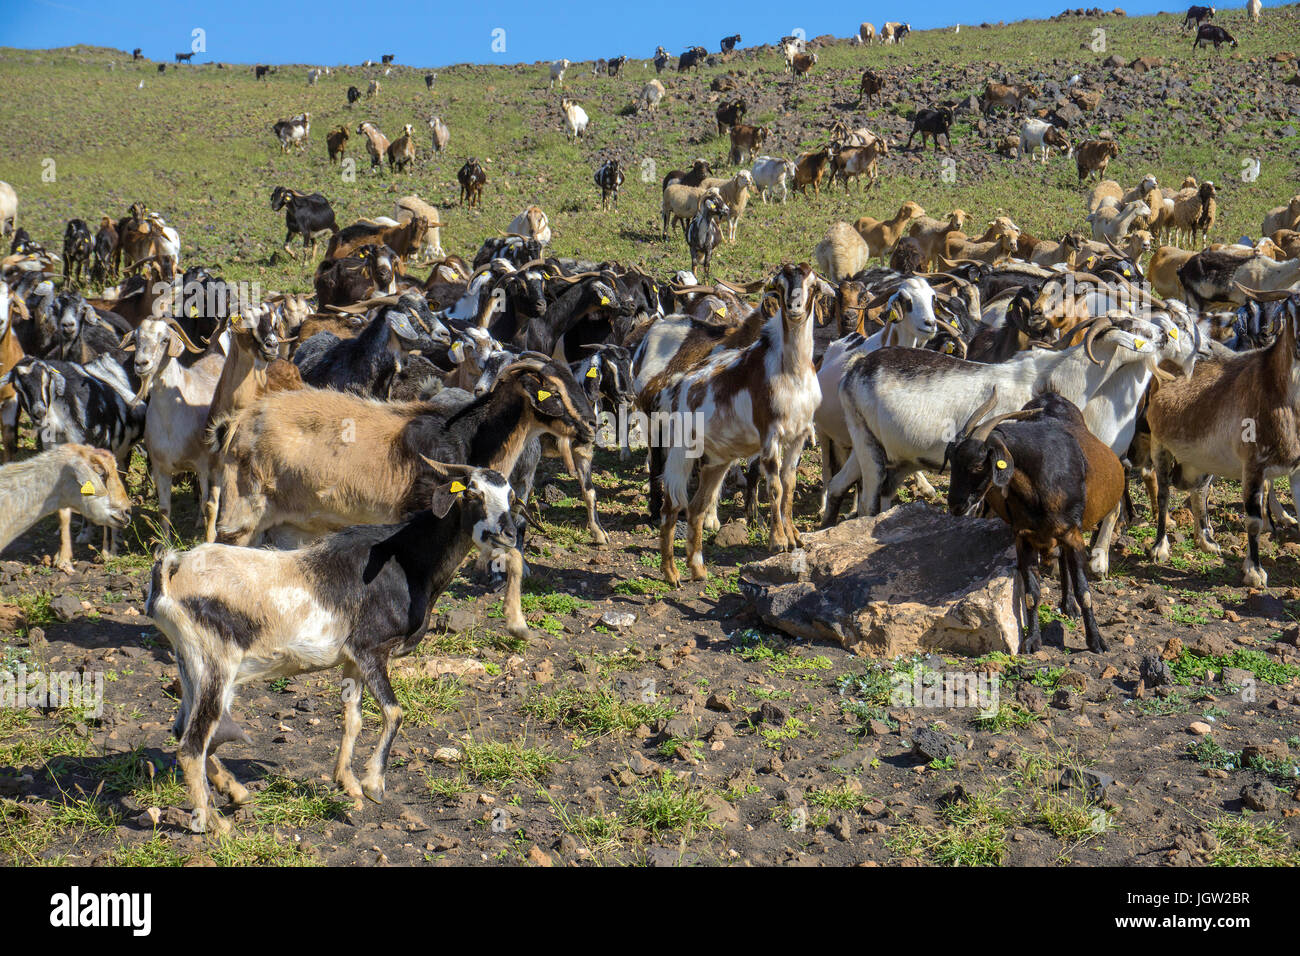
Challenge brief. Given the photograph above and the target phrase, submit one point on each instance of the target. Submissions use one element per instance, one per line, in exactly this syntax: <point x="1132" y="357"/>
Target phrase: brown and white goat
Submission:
<point x="67" y="477"/>
<point x="739" y="403"/>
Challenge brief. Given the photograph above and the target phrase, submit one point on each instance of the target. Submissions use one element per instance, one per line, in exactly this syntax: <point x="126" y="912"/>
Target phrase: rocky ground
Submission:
<point x="669" y="727"/>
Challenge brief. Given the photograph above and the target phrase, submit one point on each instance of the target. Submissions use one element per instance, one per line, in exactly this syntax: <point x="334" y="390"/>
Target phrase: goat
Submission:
<point x="769" y="174"/>
<point x="1282" y="217"/>
<point x="342" y="282"/>
<point x="809" y="169"/>
<point x="403" y="238"/>
<point x="691" y="59"/>
<point x="372" y="90"/>
<point x="77" y="246"/>
<point x="851" y="162"/>
<point x="354" y="94"/>
<point x="68" y="477"/>
<point x="932" y="234"/>
<point x="1199" y="427"/>
<point x="1011" y="97"/>
<point x="1094" y="155"/>
<point x="556" y="70"/>
<point x="401" y="151"/>
<point x="933" y="123"/>
<point x="336" y="141"/>
<point x="1038" y="134"/>
<point x="699" y="171"/>
<point x="1194" y="212"/>
<point x="680" y="203"/>
<point x="1111" y="224"/>
<point x="575" y="117"/>
<point x="651" y="96"/>
<point x="11" y="353"/>
<point x="609" y="177"/>
<point x="866" y="32"/>
<point x="746" y="140"/>
<point x="261" y="72"/>
<point x="872" y="85"/>
<point x="439" y="132"/>
<point x="881" y="235"/>
<point x="1224" y="276"/>
<point x="900" y="407"/>
<point x="1209" y="33"/>
<point x="430" y="246"/>
<point x="1196" y="15"/>
<point x="1043" y="472"/>
<point x="728" y="44"/>
<point x="757" y="400"/>
<point x="305" y="214"/>
<point x="376" y="144"/>
<point x="735" y="194"/>
<point x="531" y="224"/>
<point x="703" y="234"/>
<point x="103" y="252"/>
<point x="802" y="63"/>
<point x="729" y="113"/>
<point x="293" y="132"/>
<point x="472" y="178"/>
<point x="235" y="614"/>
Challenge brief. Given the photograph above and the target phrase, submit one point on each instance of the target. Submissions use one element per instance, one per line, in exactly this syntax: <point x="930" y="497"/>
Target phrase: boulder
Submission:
<point x="911" y="579"/>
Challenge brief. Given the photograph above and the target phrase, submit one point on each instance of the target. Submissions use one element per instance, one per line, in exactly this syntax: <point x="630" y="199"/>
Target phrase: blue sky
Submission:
<point x="332" y="32"/>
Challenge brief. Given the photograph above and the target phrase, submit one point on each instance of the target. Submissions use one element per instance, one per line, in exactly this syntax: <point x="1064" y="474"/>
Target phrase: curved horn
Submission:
<point x="1262" y="296"/>
<point x="185" y="339"/>
<point x="977" y="415"/>
<point x="1101" y="326"/>
<point x="985" y="429"/>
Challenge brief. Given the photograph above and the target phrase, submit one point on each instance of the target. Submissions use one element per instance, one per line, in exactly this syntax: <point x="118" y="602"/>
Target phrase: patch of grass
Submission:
<point x="595" y="713"/>
<point x="22" y="744"/>
<point x="503" y="763"/>
<point x="157" y="851"/>
<point x="840" y="797"/>
<point x="1243" y="842"/>
<point x="297" y="804"/>
<point x="1189" y="666"/>
<point x="777" y="737"/>
<point x="260" y="848"/>
<point x="642" y="585"/>
<point x="36" y="610"/>
<point x="1008" y="716"/>
<point x="129" y="773"/>
<point x="423" y="699"/>
<point x="974" y="833"/>
<point x="665" y="803"/>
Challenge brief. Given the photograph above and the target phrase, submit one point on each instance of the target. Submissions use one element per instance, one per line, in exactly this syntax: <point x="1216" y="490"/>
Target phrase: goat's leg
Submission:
<point x="848" y="475"/>
<point x="1199" y="503"/>
<point x="516" y="626"/>
<point x="1079" y="580"/>
<point x="1279" y="517"/>
<point x="1099" y="562"/>
<point x="163" y="482"/>
<point x="63" y="561"/>
<point x="343" y="775"/>
<point x="711" y="476"/>
<point x="830" y="465"/>
<point x="674" y="502"/>
<point x="375" y="672"/>
<point x="789" y="479"/>
<point x="225" y="781"/>
<point x="582" y="455"/>
<point x="8" y="429"/>
<point x="192" y="755"/>
<point x="1027" y="559"/>
<point x="288" y="237"/>
<point x="770" y="465"/>
<point x="1252" y="483"/>
<point x="212" y="508"/>
<point x="1158" y="550"/>
<point x="1069" y="603"/>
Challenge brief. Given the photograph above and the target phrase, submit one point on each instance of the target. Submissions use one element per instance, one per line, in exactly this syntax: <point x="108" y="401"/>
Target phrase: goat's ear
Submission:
<point x="1001" y="464"/>
<point x="769" y="305"/>
<point x="446" y="495"/>
<point x="175" y="347"/>
<point x="128" y="342"/>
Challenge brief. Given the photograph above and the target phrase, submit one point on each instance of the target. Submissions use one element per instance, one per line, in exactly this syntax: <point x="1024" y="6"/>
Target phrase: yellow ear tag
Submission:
<point x="88" y="488"/>
<point x="591" y="372"/>
<point x="721" y="310"/>
<point x="543" y="395"/>
<point x="1173" y="334"/>
<point x="604" y="300"/>
<point x="1001" y="464"/>
<point x="457" y="487"/>
<point x="1138" y="343"/>
<point x="457" y="351"/>
<point x="1128" y="272"/>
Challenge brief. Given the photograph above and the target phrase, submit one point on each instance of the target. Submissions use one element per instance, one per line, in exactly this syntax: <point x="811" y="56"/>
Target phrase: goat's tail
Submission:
<point x="159" y="578"/>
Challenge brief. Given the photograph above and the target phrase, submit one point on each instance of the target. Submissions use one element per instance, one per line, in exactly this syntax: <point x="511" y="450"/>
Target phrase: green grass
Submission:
<point x="972" y="833"/>
<point x="1244" y="842"/>
<point x="665" y="803"/>
<point x="297" y="804"/>
<point x="595" y="713"/>
<point x="503" y="762"/>
<point x="423" y="699"/>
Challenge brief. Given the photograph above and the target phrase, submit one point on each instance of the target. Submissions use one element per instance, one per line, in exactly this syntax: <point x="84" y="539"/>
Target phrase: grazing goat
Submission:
<point x="851" y="162"/>
<point x="651" y="96"/>
<point x="472" y="178"/>
<point x="336" y="141"/>
<point x="873" y="84"/>
<point x="293" y="132"/>
<point x="1282" y="217"/>
<point x="69" y="477"/>
<point x="1038" y="134"/>
<point x="1196" y="15"/>
<point x="1043" y="472"/>
<point x="809" y="169"/>
<point x="746" y="140"/>
<point x="305" y="214"/>
<point x="1010" y="97"/>
<point x="1209" y="33"/>
<point x="356" y="599"/>
<point x="757" y="400"/>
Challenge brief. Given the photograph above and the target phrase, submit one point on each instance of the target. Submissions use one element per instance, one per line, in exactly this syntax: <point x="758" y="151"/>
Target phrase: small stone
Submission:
<point x="618" y="619"/>
<point x="934" y="745"/>
<point x="447" y="755"/>
<point x="539" y="857"/>
<point x="1173" y="649"/>
<point x="1199" y="727"/>
<point x="720" y="703"/>
<point x="66" y="607"/>
<point x="733" y="534"/>
<point x="1154" y="672"/>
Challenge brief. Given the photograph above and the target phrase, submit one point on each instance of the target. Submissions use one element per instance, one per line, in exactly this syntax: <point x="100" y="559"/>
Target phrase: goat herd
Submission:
<point x="351" y="448"/>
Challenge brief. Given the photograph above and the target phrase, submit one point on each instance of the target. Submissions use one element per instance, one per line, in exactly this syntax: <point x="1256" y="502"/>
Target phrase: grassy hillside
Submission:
<point x="195" y="142"/>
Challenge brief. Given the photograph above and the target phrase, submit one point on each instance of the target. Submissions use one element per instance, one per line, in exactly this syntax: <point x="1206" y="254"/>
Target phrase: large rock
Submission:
<point x="910" y="579"/>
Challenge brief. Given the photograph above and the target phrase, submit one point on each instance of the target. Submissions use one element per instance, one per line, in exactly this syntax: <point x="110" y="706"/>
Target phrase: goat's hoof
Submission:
<point x="1070" y="608"/>
<point x="64" y="566"/>
<point x="1255" y="577"/>
<point x="1209" y="546"/>
<point x="519" y="631"/>
<point x="1159" y="553"/>
<point x="374" y="790"/>
<point x="237" y="794"/>
<point x="599" y="539"/>
<point x="1099" y="566"/>
<point x="1098" y="646"/>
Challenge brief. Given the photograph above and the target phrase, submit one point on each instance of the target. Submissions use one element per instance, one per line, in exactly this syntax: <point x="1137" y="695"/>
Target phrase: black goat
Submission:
<point x="582" y="315"/>
<point x="661" y="60"/>
<point x="1049" y="478"/>
<point x="354" y="94"/>
<point x="81" y="335"/>
<point x="103" y="249"/>
<point x="305" y="214"/>
<point x="372" y="271"/>
<point x="691" y="59"/>
<point x="1209" y="33"/>
<point x="77" y="246"/>
<point x="1196" y="14"/>
<point x="729" y="43"/>
<point x="933" y="123"/>
<point x="472" y="178"/>
<point x="614" y="65"/>
<point x="700" y="170"/>
<point x="367" y="363"/>
<point x="729" y="114"/>
<point x="609" y="177"/>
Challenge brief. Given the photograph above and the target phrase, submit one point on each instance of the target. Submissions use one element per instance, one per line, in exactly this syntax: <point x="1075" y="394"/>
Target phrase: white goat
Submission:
<point x="575" y="117"/>
<point x="770" y="173"/>
<point x="72" y="477"/>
